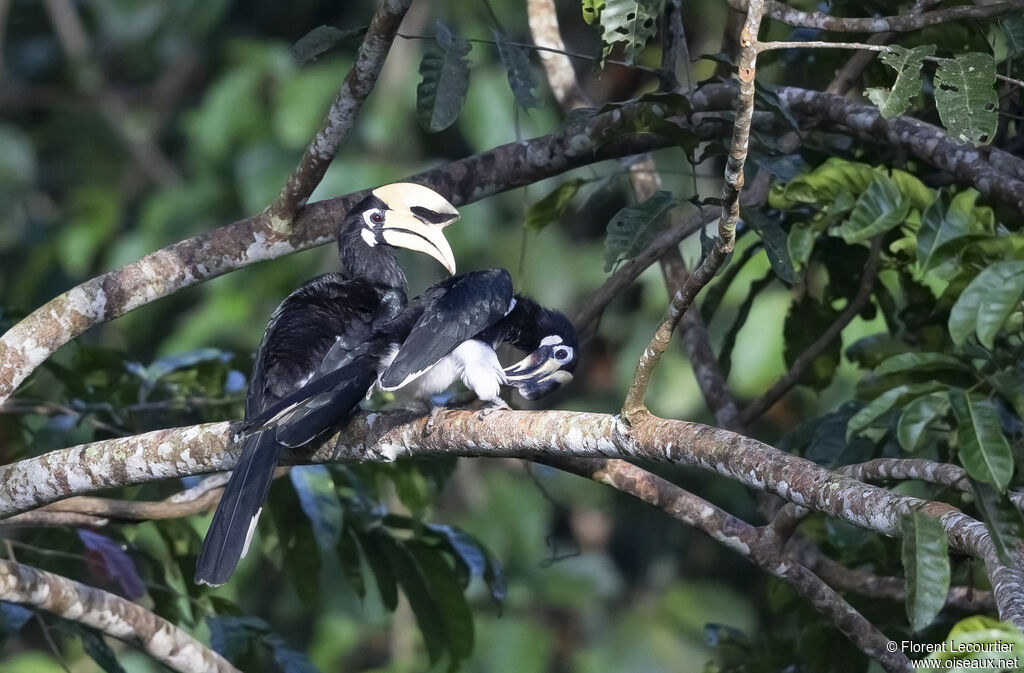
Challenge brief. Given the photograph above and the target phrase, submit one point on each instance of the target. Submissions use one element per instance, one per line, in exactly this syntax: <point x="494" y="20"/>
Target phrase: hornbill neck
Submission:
<point x="375" y="264"/>
<point x="522" y="324"/>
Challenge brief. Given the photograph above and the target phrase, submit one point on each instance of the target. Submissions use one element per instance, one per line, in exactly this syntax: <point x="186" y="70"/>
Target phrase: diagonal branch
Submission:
<point x="342" y="115"/>
<point x="803" y="362"/>
<point x="633" y="408"/>
<point x="901" y="23"/>
<point x="113" y="615"/>
<point x="746" y="540"/>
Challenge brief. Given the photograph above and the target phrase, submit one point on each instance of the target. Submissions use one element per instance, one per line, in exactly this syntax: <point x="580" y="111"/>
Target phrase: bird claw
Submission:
<point x="432" y="419"/>
<point x="491" y="407"/>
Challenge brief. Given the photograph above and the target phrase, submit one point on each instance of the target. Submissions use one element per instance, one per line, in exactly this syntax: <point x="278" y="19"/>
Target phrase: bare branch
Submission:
<point x="747" y="541"/>
<point x="342" y="115"/>
<point x="512" y="434"/>
<point x="557" y="66"/>
<point x="803" y="361"/>
<point x="899" y="24"/>
<point x="113" y="615"/>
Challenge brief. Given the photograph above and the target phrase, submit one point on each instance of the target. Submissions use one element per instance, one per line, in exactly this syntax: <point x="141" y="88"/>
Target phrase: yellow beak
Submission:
<point x="415" y="218"/>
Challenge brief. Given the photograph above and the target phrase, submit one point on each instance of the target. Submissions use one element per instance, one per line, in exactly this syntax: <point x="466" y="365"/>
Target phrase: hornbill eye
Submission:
<point x="376" y="217"/>
<point x="562" y="354"/>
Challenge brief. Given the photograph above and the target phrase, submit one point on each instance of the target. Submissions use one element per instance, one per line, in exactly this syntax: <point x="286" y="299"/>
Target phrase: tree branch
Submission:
<point x="744" y="539"/>
<point x="803" y="361"/>
<point x="633" y="407"/>
<point x="113" y="615"/>
<point x="512" y="434"/>
<point x="342" y="115"/>
<point x="898" y="24"/>
<point x="246" y="242"/>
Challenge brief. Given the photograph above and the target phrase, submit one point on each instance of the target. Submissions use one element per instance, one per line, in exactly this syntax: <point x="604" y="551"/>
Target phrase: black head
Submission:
<point x="400" y="215"/>
<point x="551" y="363"/>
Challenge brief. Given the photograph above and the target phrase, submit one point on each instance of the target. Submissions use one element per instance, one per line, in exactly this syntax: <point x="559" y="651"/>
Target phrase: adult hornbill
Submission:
<point x="336" y="313"/>
<point x="448" y="333"/>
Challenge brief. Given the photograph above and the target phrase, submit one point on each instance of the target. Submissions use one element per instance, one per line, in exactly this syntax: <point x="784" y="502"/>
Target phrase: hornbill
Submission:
<point x="332" y="313"/>
<point x="448" y="333"/>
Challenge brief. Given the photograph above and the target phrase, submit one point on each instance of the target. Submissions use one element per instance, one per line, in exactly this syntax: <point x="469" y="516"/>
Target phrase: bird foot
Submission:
<point x="432" y="419"/>
<point x="491" y="407"/>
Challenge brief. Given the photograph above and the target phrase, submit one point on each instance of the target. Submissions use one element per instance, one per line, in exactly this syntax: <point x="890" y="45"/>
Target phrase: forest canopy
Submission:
<point x="788" y="236"/>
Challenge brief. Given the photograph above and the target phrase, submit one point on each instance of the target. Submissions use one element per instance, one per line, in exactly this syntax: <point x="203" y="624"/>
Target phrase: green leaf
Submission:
<point x="445" y="72"/>
<point x="978" y="642"/>
<point x="1013" y="29"/>
<point x="939" y="225"/>
<point x="918" y="416"/>
<point x="521" y="78"/>
<point x="926" y="564"/>
<point x="806" y="319"/>
<point x="320" y="40"/>
<point x="376" y="549"/>
<point x="887" y="401"/>
<point x="827" y="181"/>
<point x="800" y="244"/>
<point x="966" y="98"/>
<point x="592" y="10"/>
<point x="907" y="64"/>
<point x="775" y="243"/>
<point x="449" y="597"/>
<point x="911" y="187"/>
<point x="414" y="585"/>
<point x="552" y="206"/>
<point x="1002" y="518"/>
<point x="632" y="22"/>
<point x="350" y="557"/>
<point x="631" y="229"/>
<point x="880" y="208"/>
<point x="917" y="361"/>
<point x="319" y="501"/>
<point x="986" y="303"/>
<point x="95" y="646"/>
<point x="983" y="449"/>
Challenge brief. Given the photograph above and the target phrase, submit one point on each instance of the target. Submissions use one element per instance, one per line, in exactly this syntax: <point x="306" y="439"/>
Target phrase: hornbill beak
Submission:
<point x="414" y="219"/>
<point x="538" y="373"/>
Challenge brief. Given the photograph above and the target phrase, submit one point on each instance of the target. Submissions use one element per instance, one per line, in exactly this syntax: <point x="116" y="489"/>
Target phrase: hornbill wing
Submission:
<point x="328" y="314"/>
<point x="455" y="311"/>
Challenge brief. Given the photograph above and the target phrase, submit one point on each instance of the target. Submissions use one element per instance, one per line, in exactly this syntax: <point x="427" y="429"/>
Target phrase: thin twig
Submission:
<point x="803" y="362"/>
<point x="354" y="89"/>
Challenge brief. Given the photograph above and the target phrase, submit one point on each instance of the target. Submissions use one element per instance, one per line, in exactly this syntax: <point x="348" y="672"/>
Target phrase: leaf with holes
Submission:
<point x="880" y="208"/>
<point x="918" y="417"/>
<point x="966" y="98"/>
<point x="907" y="64"/>
<point x="632" y="22"/>
<point x="445" y="72"/>
<point x="592" y="10"/>
<point x="521" y="78"/>
<point x="552" y="206"/>
<point x="986" y="303"/>
<point x="925" y="557"/>
<point x="631" y="229"/>
<point x="983" y="449"/>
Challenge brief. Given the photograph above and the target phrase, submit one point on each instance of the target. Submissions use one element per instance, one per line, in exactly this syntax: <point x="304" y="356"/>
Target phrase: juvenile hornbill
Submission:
<point x="336" y="313"/>
<point x="446" y="334"/>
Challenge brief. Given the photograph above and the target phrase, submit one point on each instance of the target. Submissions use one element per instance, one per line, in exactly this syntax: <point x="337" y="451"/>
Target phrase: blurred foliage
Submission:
<point x="180" y="117"/>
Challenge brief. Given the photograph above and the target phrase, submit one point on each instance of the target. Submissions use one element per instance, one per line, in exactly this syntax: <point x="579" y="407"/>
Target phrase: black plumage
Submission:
<point x="333" y="314"/>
